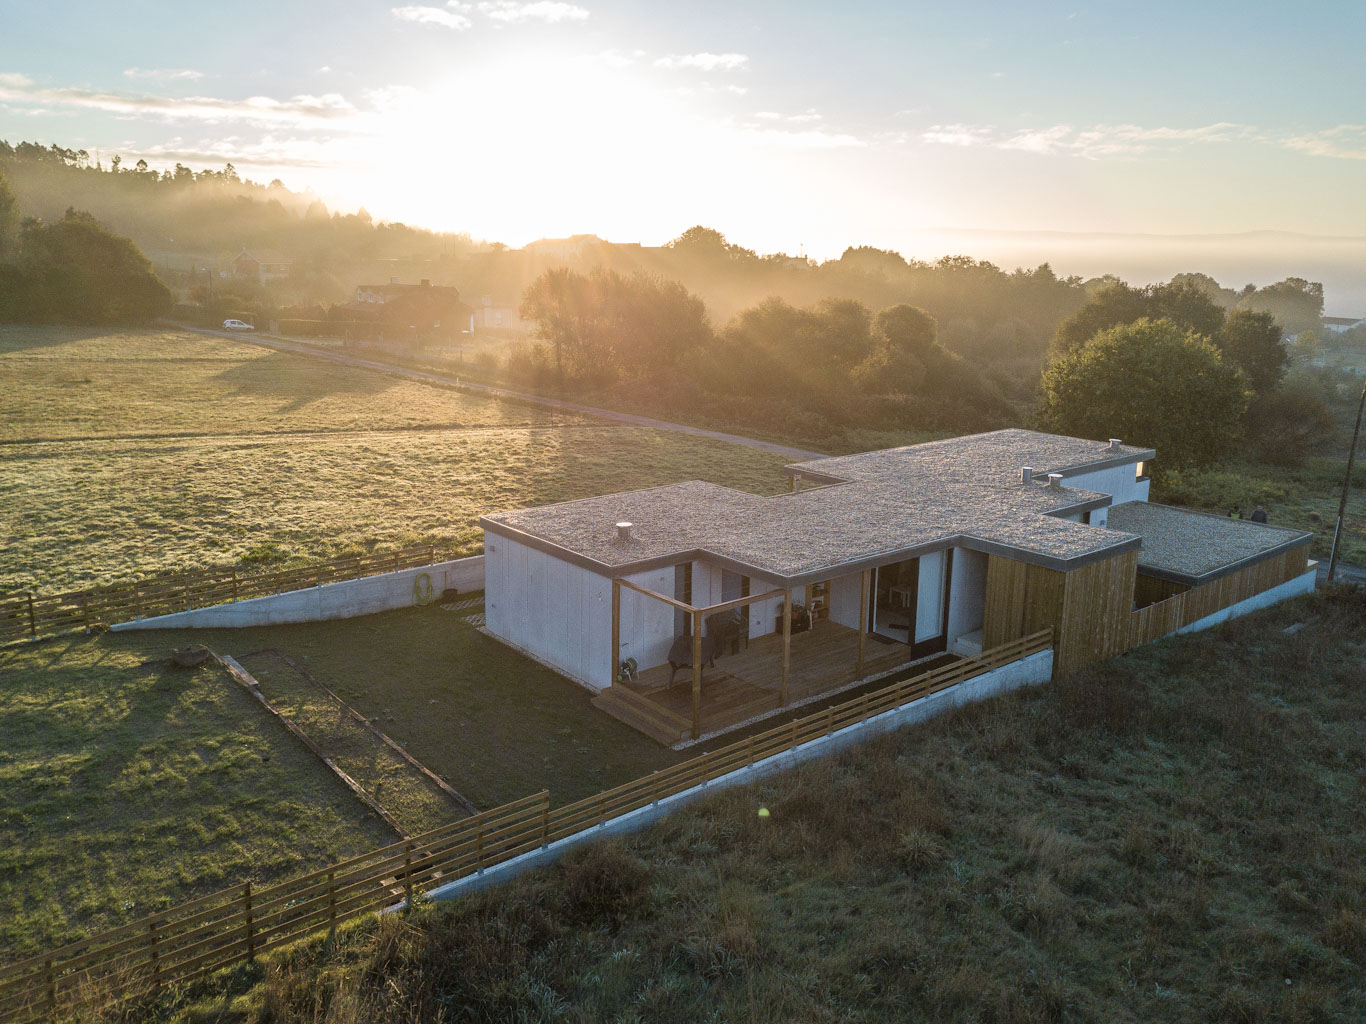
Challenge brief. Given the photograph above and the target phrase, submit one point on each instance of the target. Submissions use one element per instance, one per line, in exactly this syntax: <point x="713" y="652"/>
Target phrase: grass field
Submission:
<point x="176" y="450"/>
<point x="1171" y="837"/>
<point x="125" y="788"/>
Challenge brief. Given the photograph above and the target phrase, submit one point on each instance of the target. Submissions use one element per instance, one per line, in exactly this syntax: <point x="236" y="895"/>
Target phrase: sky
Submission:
<point x="1024" y="129"/>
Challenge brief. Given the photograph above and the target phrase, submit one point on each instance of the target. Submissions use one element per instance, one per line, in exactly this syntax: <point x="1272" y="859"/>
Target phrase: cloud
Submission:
<point x="432" y="16"/>
<point x="300" y="110"/>
<point x="1103" y="140"/>
<point x="552" y="12"/>
<point x="163" y="74"/>
<point x="1345" y="142"/>
<point x="703" y="61"/>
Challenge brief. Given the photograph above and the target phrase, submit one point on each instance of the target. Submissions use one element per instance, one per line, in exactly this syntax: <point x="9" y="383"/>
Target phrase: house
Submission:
<point x="565" y="249"/>
<point x="496" y="314"/>
<point x="261" y="265"/>
<point x="422" y="306"/>
<point x="1341" y="324"/>
<point x="928" y="552"/>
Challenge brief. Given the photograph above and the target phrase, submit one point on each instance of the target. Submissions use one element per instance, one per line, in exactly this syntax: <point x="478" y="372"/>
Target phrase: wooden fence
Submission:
<point x="207" y="934"/>
<point x="33" y="615"/>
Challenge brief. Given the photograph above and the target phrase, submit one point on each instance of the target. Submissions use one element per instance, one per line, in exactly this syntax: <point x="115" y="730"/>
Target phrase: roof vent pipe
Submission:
<point x="1026" y="474"/>
<point x="624" y="533"/>
<point x="1115" y="443"/>
<point x="1055" y="481"/>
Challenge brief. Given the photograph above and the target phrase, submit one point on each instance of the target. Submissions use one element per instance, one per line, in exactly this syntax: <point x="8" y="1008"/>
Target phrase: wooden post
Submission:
<point x="50" y="976"/>
<point x="614" y="665"/>
<point x="862" y="622"/>
<point x="787" y="646"/>
<point x="32" y="621"/>
<point x="85" y="609"/>
<point x="791" y="485"/>
<point x="408" y="876"/>
<point x="331" y="904"/>
<point x="479" y="850"/>
<point x="251" y="930"/>
<point x="545" y="820"/>
<point x="154" y="956"/>
<point x="696" y="674"/>
<point x="137" y="600"/>
<point x="234" y="584"/>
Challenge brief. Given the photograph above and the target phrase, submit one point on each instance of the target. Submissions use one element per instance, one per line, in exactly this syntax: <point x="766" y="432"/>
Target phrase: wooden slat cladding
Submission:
<point x="1092" y="609"/>
<point x="1150" y="589"/>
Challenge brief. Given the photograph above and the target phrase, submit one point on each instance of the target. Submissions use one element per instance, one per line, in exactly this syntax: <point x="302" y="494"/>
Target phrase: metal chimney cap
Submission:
<point x="1026" y="474"/>
<point x="1115" y="443"/>
<point x="1055" y="481"/>
<point x="624" y="531"/>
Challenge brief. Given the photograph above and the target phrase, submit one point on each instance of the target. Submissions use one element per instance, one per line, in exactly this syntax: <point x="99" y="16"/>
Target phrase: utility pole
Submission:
<point x="1346" y="485"/>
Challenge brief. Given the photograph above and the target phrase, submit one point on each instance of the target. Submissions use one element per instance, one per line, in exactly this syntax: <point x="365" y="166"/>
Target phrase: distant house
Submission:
<point x="423" y="306"/>
<point x="570" y="248"/>
<point x="495" y="314"/>
<point x="261" y="265"/>
<point x="951" y="549"/>
<point x="1341" y="324"/>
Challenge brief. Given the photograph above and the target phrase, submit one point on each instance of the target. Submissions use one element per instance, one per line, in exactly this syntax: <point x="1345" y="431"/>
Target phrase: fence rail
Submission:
<point x="33" y="615"/>
<point x="206" y="934"/>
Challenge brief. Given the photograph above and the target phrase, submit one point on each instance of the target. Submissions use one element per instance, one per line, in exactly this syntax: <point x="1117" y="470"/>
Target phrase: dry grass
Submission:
<point x="127" y="788"/>
<point x="282" y="459"/>
<point x="1173" y="837"/>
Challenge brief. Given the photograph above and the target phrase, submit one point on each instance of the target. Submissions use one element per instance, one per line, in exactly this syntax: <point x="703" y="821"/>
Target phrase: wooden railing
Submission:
<point x="213" y="932"/>
<point x="33" y="615"/>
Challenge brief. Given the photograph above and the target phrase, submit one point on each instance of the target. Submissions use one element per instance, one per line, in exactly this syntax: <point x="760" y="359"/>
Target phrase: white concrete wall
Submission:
<point x="845" y="600"/>
<point x="967" y="593"/>
<point x="344" y="600"/>
<point x="1291" y="588"/>
<point x="1120" y="482"/>
<point x="559" y="613"/>
<point x="929" y="604"/>
<point x="647" y="625"/>
<point x="1030" y="671"/>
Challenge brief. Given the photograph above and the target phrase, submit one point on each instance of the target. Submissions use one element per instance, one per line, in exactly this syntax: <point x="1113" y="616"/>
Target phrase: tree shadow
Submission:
<point x="298" y="381"/>
<point x="26" y="337"/>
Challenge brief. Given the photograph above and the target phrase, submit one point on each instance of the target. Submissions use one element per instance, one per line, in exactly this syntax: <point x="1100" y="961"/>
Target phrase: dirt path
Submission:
<point x="280" y="345"/>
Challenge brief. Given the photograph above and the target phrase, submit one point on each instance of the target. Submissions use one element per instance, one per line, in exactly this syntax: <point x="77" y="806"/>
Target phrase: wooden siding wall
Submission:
<point x="1149" y="590"/>
<point x="1092" y="610"/>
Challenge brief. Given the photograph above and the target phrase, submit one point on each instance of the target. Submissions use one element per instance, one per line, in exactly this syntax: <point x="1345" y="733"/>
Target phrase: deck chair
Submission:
<point x="680" y="654"/>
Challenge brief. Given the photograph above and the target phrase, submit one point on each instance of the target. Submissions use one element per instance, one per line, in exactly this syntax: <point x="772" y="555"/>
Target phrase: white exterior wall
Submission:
<point x="929" y="605"/>
<point x="967" y="593"/>
<point x="647" y="625"/>
<point x="556" y="612"/>
<point x="1120" y="482"/>
<point x="845" y="600"/>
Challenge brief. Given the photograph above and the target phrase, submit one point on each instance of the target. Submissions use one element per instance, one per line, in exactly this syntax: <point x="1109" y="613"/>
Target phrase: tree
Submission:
<point x="1114" y="303"/>
<point x="603" y="324"/>
<point x="1296" y="304"/>
<point x="77" y="271"/>
<point x="9" y="216"/>
<point x="1184" y="303"/>
<point x="1152" y="383"/>
<point x="909" y="329"/>
<point x="1252" y="342"/>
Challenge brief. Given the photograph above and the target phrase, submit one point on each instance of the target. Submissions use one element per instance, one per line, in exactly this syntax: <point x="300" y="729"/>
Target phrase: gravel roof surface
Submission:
<point x="890" y="501"/>
<point x="1178" y="540"/>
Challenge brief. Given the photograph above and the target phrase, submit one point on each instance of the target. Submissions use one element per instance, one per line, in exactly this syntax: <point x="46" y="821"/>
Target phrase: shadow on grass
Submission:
<point x="299" y="381"/>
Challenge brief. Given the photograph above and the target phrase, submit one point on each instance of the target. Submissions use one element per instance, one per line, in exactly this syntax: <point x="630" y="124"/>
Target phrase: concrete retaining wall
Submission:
<point x="330" y="601"/>
<point x="1291" y="588"/>
<point x="1030" y="671"/>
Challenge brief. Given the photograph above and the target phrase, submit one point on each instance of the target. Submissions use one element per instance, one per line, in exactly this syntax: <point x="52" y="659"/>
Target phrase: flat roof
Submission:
<point x="877" y="505"/>
<point x="1194" y="547"/>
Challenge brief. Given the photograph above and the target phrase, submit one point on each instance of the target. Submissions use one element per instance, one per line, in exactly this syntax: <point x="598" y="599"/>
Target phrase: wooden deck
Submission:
<point x="746" y="684"/>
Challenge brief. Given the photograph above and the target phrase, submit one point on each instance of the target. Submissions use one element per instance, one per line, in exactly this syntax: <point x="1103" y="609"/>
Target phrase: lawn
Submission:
<point x="125" y="788"/>
<point x="195" y="451"/>
<point x="1173" y="836"/>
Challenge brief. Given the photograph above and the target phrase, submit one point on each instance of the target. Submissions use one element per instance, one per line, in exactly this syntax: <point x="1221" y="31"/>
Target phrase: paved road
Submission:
<point x="1345" y="573"/>
<point x="269" y="341"/>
